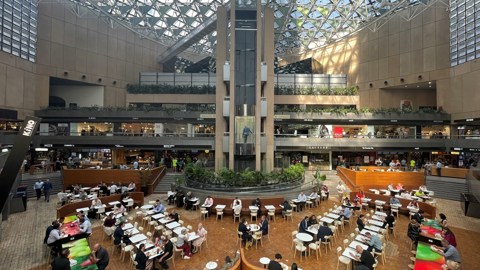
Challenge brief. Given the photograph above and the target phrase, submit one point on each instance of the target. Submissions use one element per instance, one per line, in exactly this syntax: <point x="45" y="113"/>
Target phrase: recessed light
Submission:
<point x="418" y="85"/>
<point x="406" y="86"/>
<point x="429" y="82"/>
<point x="430" y="86"/>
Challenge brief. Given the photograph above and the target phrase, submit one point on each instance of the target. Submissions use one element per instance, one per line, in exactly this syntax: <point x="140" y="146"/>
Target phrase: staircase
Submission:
<point x="447" y="188"/>
<point x="29" y="180"/>
<point x="167" y="181"/>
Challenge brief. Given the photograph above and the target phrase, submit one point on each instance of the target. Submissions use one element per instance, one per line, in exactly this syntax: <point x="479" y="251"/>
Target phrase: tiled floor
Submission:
<point x="21" y="243"/>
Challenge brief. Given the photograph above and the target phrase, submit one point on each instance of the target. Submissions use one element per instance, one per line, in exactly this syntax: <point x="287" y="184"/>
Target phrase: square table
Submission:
<point x="379" y="202"/>
<point x="114" y="203"/>
<point x="372" y="228"/>
<point x="84" y="209"/>
<point x="359" y="238"/>
<point x="380" y="214"/>
<point x="354" y="244"/>
<point x="332" y="215"/>
<point x="375" y="222"/>
<point x="269" y="207"/>
<point x="127" y="226"/>
<point x="347" y="252"/>
<point x="173" y="225"/>
<point x="220" y="207"/>
<point x="326" y="219"/>
<point x="146" y="207"/>
<point x="313" y="229"/>
<point x="364" y="231"/>
<point x="165" y="220"/>
<point x="192" y="236"/>
<point x="154" y="253"/>
<point x="158" y="216"/>
<point x="148" y="245"/>
<point x="178" y="230"/>
<point x="379" y="218"/>
<point x="138" y="237"/>
<point x="132" y="231"/>
<point x="253" y="208"/>
<point x="127" y="200"/>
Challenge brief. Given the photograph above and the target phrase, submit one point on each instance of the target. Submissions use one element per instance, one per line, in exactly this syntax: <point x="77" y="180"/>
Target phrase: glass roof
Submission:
<point x="300" y="25"/>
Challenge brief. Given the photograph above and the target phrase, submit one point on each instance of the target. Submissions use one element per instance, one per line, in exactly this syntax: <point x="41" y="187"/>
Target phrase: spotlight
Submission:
<point x="385" y="82"/>
<point x="65" y="73"/>
<point x="420" y="77"/>
<point x="402" y="80"/>
<point x="99" y="79"/>
<point x="371" y="85"/>
<point x="114" y="82"/>
<point x="84" y="76"/>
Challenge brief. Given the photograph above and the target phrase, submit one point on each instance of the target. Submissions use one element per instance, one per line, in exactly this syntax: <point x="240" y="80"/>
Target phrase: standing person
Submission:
<point x="100" y="257"/>
<point x="47" y="187"/>
<point x="135" y="164"/>
<point x="245" y="133"/>
<point x="341" y="190"/>
<point x="439" y="168"/>
<point x="61" y="262"/>
<point x="38" y="188"/>
<point x="412" y="164"/>
<point x="174" y="164"/>
<point x="275" y="263"/>
<point x="141" y="258"/>
<point x="167" y="253"/>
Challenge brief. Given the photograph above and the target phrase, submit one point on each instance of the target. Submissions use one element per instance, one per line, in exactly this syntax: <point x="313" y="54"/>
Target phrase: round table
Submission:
<point x="211" y="265"/>
<point x="253" y="227"/>
<point x="265" y="261"/>
<point x="304" y="237"/>
<point x="146" y="207"/>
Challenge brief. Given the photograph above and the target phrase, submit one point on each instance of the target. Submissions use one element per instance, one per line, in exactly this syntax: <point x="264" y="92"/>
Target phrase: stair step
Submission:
<point x="165" y="184"/>
<point x="446" y="188"/>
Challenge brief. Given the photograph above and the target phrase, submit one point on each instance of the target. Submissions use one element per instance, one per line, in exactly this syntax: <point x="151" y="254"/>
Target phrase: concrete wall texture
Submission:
<point x="86" y="45"/>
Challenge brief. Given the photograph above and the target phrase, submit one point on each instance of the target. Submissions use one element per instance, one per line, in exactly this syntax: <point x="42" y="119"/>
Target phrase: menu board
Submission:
<point x="427" y="259"/>
<point x="80" y="255"/>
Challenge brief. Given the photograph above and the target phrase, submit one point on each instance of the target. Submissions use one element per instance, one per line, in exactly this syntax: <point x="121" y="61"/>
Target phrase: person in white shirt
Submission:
<point x="390" y="187"/>
<point x="302" y="200"/>
<point x="315" y="198"/>
<point x="208" y="204"/>
<point x="120" y="209"/>
<point x="341" y="190"/>
<point x="54" y="235"/>
<point x="113" y="189"/>
<point x="237" y="208"/>
<point x="96" y="202"/>
<point x="131" y="187"/>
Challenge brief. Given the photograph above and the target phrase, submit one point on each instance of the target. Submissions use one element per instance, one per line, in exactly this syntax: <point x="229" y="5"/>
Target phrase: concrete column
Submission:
<point x="221" y="88"/>
<point x="231" y="141"/>
<point x="258" y="90"/>
<point x="269" y="45"/>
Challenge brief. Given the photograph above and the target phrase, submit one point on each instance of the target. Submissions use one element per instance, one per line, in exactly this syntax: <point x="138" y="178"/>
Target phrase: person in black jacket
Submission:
<point x="141" y="258"/>
<point x="246" y="236"/>
<point x="61" y="262"/>
<point x="361" y="222"/>
<point x="365" y="261"/>
<point x="49" y="229"/>
<point x="119" y="236"/>
<point x="389" y="220"/>
<point x="168" y="252"/>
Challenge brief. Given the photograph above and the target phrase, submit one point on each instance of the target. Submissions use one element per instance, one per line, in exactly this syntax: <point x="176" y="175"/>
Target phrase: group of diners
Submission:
<point x="252" y="232"/>
<point x="59" y="231"/>
<point x="422" y="193"/>
<point x="75" y="193"/>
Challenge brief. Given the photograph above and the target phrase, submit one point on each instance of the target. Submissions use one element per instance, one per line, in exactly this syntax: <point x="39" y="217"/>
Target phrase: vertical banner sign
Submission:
<point x="16" y="156"/>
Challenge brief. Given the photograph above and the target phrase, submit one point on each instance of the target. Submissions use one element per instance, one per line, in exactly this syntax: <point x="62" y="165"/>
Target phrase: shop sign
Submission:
<point x="318" y="147"/>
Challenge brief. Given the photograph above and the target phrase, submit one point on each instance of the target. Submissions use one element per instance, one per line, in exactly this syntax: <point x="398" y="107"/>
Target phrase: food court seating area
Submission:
<point x="246" y="202"/>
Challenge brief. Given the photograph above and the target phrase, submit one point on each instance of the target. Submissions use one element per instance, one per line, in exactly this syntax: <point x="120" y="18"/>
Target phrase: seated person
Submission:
<point x="237" y="200"/>
<point x="325" y="192"/>
<point x="413" y="232"/>
<point x="394" y="200"/>
<point x="448" y="235"/>
<point x="346" y="201"/>
<point x="237" y="208"/>
<point x="258" y="204"/>
<point x="365" y="260"/>
<point x="188" y="200"/>
<point x="302" y="200"/>
<point x="131" y="186"/>
<point x="423" y="188"/>
<point x="54" y="235"/>
<point x="85" y="226"/>
<point x="346" y="213"/>
<point x="419" y="216"/>
<point x="182" y="243"/>
<point x="419" y="193"/>
<point x="389" y="220"/>
<point x="451" y="255"/>
<point x="208" y="204"/>
<point x="361" y="222"/>
<point x="174" y="215"/>
<point x="96" y="202"/>
<point x="373" y="242"/>
<point x="83" y="195"/>
<point x="171" y="196"/>
<point x="312" y="220"/>
<point x="246" y="236"/>
<point x="158" y="207"/>
<point x="413" y="204"/>
<point x="314" y="197"/>
<point x="109" y="224"/>
<point x="119" y="209"/>
<point x="285" y="206"/>
<point x="303" y="226"/>
<point x="230" y="262"/>
<point x="390" y="187"/>
<point x="400" y="187"/>
<point x="323" y="231"/>
<point x="264" y="225"/>
<point x="179" y="197"/>
<point x="119" y="236"/>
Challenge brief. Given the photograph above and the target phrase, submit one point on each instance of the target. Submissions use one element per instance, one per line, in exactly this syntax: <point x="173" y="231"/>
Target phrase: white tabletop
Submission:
<point x="375" y="222"/>
<point x="354" y="244"/>
<point x="137" y="238"/>
<point x="295" y="200"/>
<point x="220" y="206"/>
<point x="85" y="188"/>
<point x="304" y="237"/>
<point x="158" y="216"/>
<point x="332" y="215"/>
<point x="372" y="228"/>
<point x="397" y="205"/>
<point x="113" y="203"/>
<point x="379" y="218"/>
<point x="178" y="230"/>
<point x="95" y="189"/>
<point x="269" y="207"/>
<point x="193" y="199"/>
<point x="360" y="238"/>
<point x="148" y="245"/>
<point x="384" y="190"/>
<point x="366" y="199"/>
<point x="84" y="209"/>
<point x="253" y="227"/>
<point x="173" y="225"/>
<point x="364" y="231"/>
<point x="336" y="211"/>
<point x="264" y="260"/>
<point x="127" y="226"/>
<point x="132" y="231"/>
<point x="313" y="229"/>
<point x="347" y="252"/>
<point x="253" y="208"/>
<point x="380" y="202"/>
<point x="116" y="216"/>
<point x="192" y="236"/>
<point x="147" y="207"/>
<point x="127" y="200"/>
<point x="99" y="206"/>
<point x="395" y="190"/>
<point x="165" y="220"/>
<point x="373" y="190"/>
<point x="326" y="219"/>
<point x="150" y="212"/>
<point x="380" y="214"/>
<point x="412" y="209"/>
<point x="211" y="265"/>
